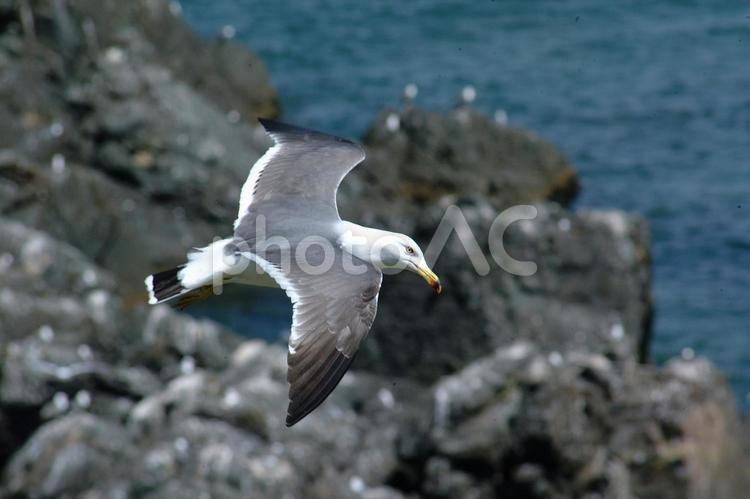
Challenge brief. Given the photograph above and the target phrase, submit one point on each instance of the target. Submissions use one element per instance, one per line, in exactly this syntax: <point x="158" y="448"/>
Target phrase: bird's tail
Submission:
<point x="192" y="280"/>
<point x="163" y="286"/>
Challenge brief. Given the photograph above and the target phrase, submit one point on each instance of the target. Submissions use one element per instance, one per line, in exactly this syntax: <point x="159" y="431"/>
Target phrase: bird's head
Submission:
<point x="388" y="251"/>
<point x="399" y="251"/>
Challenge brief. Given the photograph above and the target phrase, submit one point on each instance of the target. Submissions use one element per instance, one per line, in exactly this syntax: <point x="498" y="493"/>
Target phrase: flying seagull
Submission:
<point x="288" y="233"/>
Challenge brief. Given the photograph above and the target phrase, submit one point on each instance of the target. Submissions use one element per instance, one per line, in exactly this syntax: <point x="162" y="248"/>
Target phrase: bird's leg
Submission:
<point x="193" y="296"/>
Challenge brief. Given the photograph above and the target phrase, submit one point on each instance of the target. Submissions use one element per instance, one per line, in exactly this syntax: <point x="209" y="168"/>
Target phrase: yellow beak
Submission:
<point x="431" y="278"/>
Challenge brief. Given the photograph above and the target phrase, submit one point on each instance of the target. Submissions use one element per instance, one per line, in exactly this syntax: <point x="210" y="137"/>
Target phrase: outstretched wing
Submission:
<point x="333" y="313"/>
<point x="331" y="318"/>
<point x="291" y="194"/>
<point x="302" y="163"/>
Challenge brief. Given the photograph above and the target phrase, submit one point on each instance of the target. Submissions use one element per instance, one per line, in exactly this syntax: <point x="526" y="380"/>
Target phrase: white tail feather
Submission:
<point x="206" y="266"/>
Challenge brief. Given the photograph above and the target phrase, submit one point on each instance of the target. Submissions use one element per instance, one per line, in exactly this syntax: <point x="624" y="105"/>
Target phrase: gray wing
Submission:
<point x="292" y="188"/>
<point x="332" y="316"/>
<point x="333" y="313"/>
<point x="302" y="164"/>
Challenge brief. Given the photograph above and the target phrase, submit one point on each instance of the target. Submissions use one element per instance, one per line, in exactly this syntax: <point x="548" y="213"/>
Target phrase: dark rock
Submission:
<point x="118" y="126"/>
<point x="65" y="458"/>
<point x="590" y="291"/>
<point x="36" y="262"/>
<point x="186" y="405"/>
<point x="126" y="90"/>
<point x="114" y="225"/>
<point x="222" y="71"/>
<point x="590" y="427"/>
<point x="430" y="156"/>
<point x="591" y="286"/>
<point x="98" y="401"/>
<point x="65" y="335"/>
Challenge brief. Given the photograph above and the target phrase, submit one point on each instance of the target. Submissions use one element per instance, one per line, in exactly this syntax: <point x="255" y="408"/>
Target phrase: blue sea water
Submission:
<point x="649" y="99"/>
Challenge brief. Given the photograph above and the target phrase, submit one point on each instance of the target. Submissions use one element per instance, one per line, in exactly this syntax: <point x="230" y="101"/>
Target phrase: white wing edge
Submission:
<point x="248" y="188"/>
<point x="278" y="276"/>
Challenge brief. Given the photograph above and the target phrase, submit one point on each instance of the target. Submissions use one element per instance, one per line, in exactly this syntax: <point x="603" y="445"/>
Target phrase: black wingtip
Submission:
<point x="282" y="132"/>
<point x="322" y="386"/>
<point x="277" y="127"/>
<point x="293" y="419"/>
<point x="273" y="126"/>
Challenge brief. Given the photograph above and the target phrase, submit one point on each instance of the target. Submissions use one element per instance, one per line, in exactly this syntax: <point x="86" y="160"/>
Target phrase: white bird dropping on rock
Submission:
<point x="501" y="117"/>
<point x="58" y="164"/>
<point x="84" y="351"/>
<point x="410" y="91"/>
<point x="64" y="373"/>
<point x="89" y="277"/>
<point x="114" y="55"/>
<point x="617" y="331"/>
<point x="61" y="401"/>
<point x="187" y="365"/>
<point x="357" y="485"/>
<point x="175" y="8"/>
<point x="392" y="122"/>
<point x="386" y="398"/>
<point x="83" y="399"/>
<point x="468" y="94"/>
<point x="46" y="333"/>
<point x="228" y="32"/>
<point x="56" y="129"/>
<point x="231" y="398"/>
<point x="555" y="358"/>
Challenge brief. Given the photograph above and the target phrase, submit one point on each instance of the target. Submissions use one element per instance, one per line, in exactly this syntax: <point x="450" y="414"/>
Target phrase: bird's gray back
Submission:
<point x="293" y="219"/>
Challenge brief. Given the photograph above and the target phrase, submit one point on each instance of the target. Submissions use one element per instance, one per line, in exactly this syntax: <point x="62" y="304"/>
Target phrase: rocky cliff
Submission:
<point x="119" y="107"/>
<point x="591" y="286"/>
<point x="124" y="140"/>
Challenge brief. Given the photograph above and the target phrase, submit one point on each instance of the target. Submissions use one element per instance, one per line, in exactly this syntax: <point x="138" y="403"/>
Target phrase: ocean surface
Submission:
<point x="649" y="99"/>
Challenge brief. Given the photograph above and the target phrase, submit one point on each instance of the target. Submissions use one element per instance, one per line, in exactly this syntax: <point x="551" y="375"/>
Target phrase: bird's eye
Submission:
<point x="410" y="250"/>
